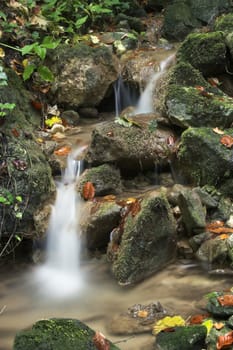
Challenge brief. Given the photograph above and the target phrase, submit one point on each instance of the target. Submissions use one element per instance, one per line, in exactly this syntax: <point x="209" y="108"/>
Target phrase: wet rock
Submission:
<point x="216" y="308"/>
<point x="214" y="253"/>
<point x="83" y="74"/>
<point x="196" y="241"/>
<point x="207" y="198"/>
<point x="148" y="240"/>
<point x="132" y="149"/>
<point x="192" y="211"/>
<point x="218" y="170"/>
<point x="71" y="117"/>
<point x="105" y="178"/>
<point x="88" y="112"/>
<point x="54" y="334"/>
<point x="138" y="319"/>
<point x="98" y="222"/>
<point x="182" y="338"/>
<point x="41" y="219"/>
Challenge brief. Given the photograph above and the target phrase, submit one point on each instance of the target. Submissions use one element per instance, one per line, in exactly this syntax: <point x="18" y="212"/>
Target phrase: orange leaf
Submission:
<point x="213" y="81"/>
<point x="214" y="224"/>
<point x="223" y="236"/>
<point x="142" y="313"/>
<point x="15" y="132"/>
<point x="109" y="197"/>
<point x="63" y="151"/>
<point x="88" y="191"/>
<point x="135" y="208"/>
<point x="224" y="340"/>
<point x="198" y="319"/>
<point x="200" y="88"/>
<point x="226" y="300"/>
<point x="101" y="342"/>
<point x="221" y="230"/>
<point x="227" y="141"/>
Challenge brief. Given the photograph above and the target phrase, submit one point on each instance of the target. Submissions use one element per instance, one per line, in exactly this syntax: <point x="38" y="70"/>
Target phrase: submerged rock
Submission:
<point x="58" y="334"/>
<point x="148" y="241"/>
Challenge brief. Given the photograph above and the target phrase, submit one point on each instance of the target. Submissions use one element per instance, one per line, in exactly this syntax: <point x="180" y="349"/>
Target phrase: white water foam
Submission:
<point x="60" y="275"/>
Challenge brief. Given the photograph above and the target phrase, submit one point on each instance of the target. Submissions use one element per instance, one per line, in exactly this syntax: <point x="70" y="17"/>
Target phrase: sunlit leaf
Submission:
<point x="28" y="70"/>
<point x="208" y="324"/>
<point x="167" y="322"/>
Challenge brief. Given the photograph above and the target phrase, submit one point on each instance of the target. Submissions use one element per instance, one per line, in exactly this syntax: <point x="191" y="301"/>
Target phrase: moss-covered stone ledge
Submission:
<point x="203" y="159"/>
<point x="57" y="334"/>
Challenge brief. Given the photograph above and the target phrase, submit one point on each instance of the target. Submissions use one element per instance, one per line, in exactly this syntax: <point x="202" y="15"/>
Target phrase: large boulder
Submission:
<point x="83" y="74"/>
<point x="148" y="241"/>
<point x="134" y="148"/>
<point x="189" y="100"/>
<point x="183" y="16"/>
<point x="205" y="159"/>
<point x="59" y="334"/>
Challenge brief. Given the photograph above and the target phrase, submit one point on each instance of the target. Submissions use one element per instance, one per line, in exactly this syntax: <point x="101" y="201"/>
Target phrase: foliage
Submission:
<point x="4" y="107"/>
<point x="8" y="199"/>
<point x="53" y="120"/>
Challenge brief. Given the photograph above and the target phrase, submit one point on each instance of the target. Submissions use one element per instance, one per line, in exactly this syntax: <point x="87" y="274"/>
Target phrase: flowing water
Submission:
<point x="66" y="287"/>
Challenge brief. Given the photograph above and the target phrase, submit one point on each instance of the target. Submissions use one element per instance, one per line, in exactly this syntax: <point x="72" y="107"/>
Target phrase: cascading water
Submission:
<point x="145" y="103"/>
<point x="60" y="274"/>
<point x="124" y="97"/>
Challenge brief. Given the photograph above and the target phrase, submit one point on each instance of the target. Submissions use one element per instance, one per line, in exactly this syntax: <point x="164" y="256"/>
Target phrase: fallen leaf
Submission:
<point x="101" y="342"/>
<point x="15" y="132"/>
<point x="223" y="236"/>
<point x="199" y="88"/>
<point x="225" y="300"/>
<point x="224" y="340"/>
<point x="88" y="191"/>
<point x="218" y="131"/>
<point x="213" y="81"/>
<point x="19" y="164"/>
<point x="109" y="197"/>
<point x="37" y="105"/>
<point x="142" y="313"/>
<point x="63" y="151"/>
<point x="168" y="322"/>
<point x="218" y="325"/>
<point x="221" y="230"/>
<point x="198" y="319"/>
<point x="227" y="141"/>
<point x="135" y="208"/>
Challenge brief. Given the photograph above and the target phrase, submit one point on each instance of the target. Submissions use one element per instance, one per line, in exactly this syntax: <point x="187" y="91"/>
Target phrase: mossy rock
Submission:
<point x="57" y="334"/>
<point x="214" y="307"/>
<point x="205" y="160"/>
<point x="148" y="242"/>
<point x="204" y="51"/>
<point x="224" y="23"/>
<point x="182" y="338"/>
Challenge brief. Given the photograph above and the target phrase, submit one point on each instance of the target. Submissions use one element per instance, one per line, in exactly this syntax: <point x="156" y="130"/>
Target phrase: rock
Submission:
<point x="57" y="334"/>
<point x="224" y="23"/>
<point x="83" y="74"/>
<point x="105" y="178"/>
<point x="214" y="253"/>
<point x="182" y="338"/>
<point x="192" y="211"/>
<point x="213" y="305"/>
<point x="199" y="145"/>
<point x="88" y="112"/>
<point x="138" y="319"/>
<point x="132" y="149"/>
<point x="98" y="222"/>
<point x="148" y="241"/>
<point x="41" y="219"/>
<point x="187" y="105"/>
<point x="71" y="117"/>
<point x="205" y="52"/>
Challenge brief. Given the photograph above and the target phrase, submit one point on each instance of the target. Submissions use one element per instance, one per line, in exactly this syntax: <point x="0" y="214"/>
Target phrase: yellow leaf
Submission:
<point x="25" y="62"/>
<point x="208" y="324"/>
<point x="2" y="53"/>
<point x="168" y="322"/>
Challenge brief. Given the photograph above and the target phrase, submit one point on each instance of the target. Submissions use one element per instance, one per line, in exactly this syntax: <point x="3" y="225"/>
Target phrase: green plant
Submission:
<point x="4" y="107"/>
<point x="8" y="199"/>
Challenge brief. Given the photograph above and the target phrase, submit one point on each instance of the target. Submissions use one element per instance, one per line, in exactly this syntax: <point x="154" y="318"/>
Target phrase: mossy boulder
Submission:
<point x="83" y="74"/>
<point x="148" y="242"/>
<point x="224" y="23"/>
<point x="205" y="52"/>
<point x="203" y="159"/>
<point x="216" y="308"/>
<point x="57" y="334"/>
<point x="182" y="338"/>
<point x="189" y="100"/>
<point x="106" y="179"/>
<point x="132" y="149"/>
<point x="25" y="171"/>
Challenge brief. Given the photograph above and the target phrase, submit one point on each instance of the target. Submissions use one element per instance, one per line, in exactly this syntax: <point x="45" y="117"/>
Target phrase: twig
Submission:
<point x="2" y="309"/>
<point x="124" y="340"/>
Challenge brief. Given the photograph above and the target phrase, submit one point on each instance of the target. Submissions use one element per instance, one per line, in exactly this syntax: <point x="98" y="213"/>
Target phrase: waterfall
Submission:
<point x="145" y="103"/>
<point x="60" y="274"/>
<point x="124" y="97"/>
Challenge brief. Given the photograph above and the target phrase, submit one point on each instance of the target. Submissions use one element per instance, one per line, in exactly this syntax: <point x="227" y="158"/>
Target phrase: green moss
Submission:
<point x="224" y="23"/>
<point x="204" y="51"/>
<point x="57" y="334"/>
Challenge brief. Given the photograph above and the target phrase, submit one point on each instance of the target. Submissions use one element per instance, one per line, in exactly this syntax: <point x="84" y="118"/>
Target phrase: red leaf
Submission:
<point x="88" y="191"/>
<point x="15" y="132"/>
<point x="37" y="105"/>
<point x="101" y="342"/>
<point x="198" y="319"/>
<point x="226" y="300"/>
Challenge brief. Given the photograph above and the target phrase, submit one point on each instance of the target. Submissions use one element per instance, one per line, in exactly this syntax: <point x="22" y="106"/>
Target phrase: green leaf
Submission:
<point x="18" y="238"/>
<point x="28" y="49"/>
<point x="45" y="73"/>
<point x="50" y="43"/>
<point x="81" y="21"/>
<point x="3" y="15"/>
<point x="123" y="122"/>
<point x="99" y="9"/>
<point x="19" y="198"/>
<point x="40" y="51"/>
<point x="28" y="70"/>
<point x="3" y="200"/>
